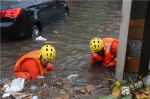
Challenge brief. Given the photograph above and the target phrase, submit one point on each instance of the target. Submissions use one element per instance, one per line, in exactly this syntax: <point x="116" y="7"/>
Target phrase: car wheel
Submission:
<point x="66" y="14"/>
<point x="35" y="31"/>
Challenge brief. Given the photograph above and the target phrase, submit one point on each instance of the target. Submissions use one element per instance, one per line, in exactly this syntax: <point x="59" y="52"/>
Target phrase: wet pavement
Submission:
<point x="71" y="38"/>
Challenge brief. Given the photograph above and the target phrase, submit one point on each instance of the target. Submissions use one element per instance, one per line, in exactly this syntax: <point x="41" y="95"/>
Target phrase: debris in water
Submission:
<point x="72" y="76"/>
<point x="40" y="38"/>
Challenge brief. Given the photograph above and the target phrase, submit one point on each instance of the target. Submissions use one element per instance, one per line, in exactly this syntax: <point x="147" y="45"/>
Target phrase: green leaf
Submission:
<point x="101" y="97"/>
<point x="127" y="97"/>
<point x="106" y="97"/>
<point x="140" y="77"/>
<point x="58" y="83"/>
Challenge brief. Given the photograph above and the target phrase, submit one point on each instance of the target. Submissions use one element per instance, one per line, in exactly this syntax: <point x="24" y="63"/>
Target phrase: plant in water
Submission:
<point x="127" y="89"/>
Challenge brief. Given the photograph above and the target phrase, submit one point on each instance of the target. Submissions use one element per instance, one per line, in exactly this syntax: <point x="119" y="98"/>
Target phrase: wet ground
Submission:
<point x="71" y="38"/>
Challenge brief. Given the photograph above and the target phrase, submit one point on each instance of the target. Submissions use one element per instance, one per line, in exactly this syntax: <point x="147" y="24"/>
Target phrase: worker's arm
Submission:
<point x="92" y="59"/>
<point x="112" y="63"/>
<point x="113" y="50"/>
<point x="30" y="66"/>
<point x="49" y="67"/>
<point x="95" y="57"/>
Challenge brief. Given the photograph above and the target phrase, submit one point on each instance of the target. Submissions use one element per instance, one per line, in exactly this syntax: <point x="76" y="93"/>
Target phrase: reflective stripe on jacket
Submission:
<point x="33" y="55"/>
<point x="108" y="57"/>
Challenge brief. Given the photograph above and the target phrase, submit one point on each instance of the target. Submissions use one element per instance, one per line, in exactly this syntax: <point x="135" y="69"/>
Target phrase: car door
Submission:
<point x="57" y="10"/>
<point x="43" y="8"/>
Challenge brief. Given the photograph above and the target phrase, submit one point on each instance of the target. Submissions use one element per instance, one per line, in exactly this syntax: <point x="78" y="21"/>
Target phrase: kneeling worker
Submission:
<point x="35" y="63"/>
<point x="104" y="50"/>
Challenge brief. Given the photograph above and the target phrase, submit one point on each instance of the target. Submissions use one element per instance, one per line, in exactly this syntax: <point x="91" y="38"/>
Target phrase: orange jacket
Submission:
<point x="31" y="64"/>
<point x="110" y="51"/>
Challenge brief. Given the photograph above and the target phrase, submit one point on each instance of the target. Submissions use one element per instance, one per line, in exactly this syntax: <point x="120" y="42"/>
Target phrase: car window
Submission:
<point x="10" y="0"/>
<point x="16" y="0"/>
<point x="50" y="0"/>
<point x="44" y="0"/>
<point x="40" y="0"/>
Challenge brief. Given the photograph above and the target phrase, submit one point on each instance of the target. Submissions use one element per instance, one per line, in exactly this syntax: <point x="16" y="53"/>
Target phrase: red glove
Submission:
<point x="49" y="67"/>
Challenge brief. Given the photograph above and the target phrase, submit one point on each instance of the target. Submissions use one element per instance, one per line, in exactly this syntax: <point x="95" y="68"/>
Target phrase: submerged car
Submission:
<point x="23" y="18"/>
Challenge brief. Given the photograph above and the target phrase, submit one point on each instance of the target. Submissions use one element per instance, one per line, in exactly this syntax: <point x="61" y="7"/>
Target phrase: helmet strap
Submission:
<point x="40" y="57"/>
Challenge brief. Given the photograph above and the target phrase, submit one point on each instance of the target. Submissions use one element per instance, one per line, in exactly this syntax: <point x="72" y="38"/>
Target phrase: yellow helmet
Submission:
<point x="48" y="52"/>
<point x="96" y="44"/>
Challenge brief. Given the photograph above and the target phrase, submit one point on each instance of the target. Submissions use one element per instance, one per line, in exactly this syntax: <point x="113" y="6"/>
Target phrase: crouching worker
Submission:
<point x="104" y="50"/>
<point x="35" y="63"/>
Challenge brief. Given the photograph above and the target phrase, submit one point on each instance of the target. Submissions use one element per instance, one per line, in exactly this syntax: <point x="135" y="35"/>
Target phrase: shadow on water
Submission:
<point x="71" y="38"/>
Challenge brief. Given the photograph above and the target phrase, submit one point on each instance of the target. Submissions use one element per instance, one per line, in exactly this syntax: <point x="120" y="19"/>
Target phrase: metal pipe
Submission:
<point x="124" y="27"/>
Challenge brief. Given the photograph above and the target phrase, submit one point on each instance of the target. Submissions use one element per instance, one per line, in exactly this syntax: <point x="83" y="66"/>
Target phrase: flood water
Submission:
<point x="71" y="39"/>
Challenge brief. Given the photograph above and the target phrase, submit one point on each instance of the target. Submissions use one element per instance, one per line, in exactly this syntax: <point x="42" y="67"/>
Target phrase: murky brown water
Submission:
<point x="71" y="38"/>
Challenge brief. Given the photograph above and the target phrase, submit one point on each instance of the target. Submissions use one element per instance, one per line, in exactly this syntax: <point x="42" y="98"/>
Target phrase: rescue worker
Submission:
<point x="104" y="50"/>
<point x="35" y="63"/>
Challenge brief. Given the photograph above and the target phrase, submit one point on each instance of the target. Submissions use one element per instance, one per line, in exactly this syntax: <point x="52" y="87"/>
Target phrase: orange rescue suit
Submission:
<point x="110" y="52"/>
<point x="29" y="66"/>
